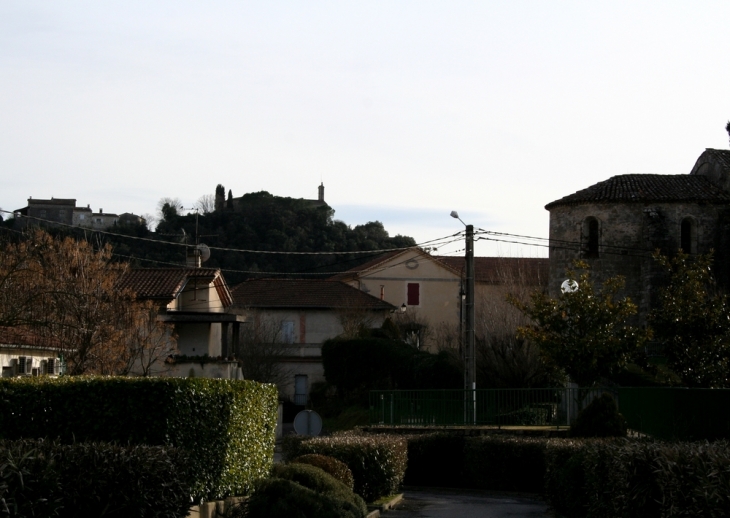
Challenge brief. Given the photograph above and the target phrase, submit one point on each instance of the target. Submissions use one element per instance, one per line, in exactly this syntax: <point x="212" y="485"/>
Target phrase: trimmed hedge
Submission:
<point x="436" y="460"/>
<point x="45" y="478"/>
<point x="280" y="498"/>
<point x="329" y="465"/>
<point x="377" y="462"/>
<point x="608" y="478"/>
<point x="226" y="427"/>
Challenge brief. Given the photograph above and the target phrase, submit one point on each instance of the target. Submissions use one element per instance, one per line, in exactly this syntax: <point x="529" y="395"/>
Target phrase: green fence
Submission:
<point x="666" y="413"/>
<point x="484" y="407"/>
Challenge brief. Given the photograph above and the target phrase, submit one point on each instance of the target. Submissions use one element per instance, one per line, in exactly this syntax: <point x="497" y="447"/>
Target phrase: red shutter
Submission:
<point x="413" y="294"/>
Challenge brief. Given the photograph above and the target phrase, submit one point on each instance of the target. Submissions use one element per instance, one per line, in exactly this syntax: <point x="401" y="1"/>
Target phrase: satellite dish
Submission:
<point x="308" y="422"/>
<point x="569" y="286"/>
<point x="204" y="252"/>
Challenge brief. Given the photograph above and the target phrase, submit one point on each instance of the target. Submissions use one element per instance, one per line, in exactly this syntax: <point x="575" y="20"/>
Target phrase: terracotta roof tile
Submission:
<point x="166" y="283"/>
<point x="18" y="336"/>
<point x="497" y="270"/>
<point x="630" y="188"/>
<point x="304" y="293"/>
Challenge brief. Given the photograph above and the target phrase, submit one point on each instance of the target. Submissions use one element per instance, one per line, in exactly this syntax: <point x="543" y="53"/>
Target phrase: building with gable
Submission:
<point x="195" y="301"/>
<point x="617" y="224"/>
<point x="299" y="316"/>
<point x="432" y="287"/>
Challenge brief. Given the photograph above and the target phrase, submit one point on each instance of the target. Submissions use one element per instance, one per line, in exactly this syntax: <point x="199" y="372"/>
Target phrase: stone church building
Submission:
<point x="617" y="224"/>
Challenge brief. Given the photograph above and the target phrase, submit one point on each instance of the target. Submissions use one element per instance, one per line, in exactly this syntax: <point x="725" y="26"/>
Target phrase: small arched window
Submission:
<point x="591" y="235"/>
<point x="687" y="236"/>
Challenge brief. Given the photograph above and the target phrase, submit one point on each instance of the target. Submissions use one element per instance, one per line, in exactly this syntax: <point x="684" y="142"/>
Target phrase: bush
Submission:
<point x="226" y="427"/>
<point x="506" y="463"/>
<point x="378" y="463"/>
<point x="620" y="477"/>
<point x="435" y="460"/>
<point x="600" y="418"/>
<point x="319" y="481"/>
<point x="279" y="498"/>
<point x="46" y="478"/>
<point x="329" y="465"/>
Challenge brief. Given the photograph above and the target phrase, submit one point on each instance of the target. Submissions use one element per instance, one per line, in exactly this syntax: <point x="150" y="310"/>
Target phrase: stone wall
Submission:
<point x="628" y="233"/>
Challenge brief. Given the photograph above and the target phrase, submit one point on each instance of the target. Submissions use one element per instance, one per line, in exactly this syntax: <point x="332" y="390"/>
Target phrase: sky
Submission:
<point x="405" y="110"/>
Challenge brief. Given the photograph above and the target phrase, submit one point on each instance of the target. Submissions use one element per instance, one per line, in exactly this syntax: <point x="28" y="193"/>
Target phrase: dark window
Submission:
<point x="686" y="238"/>
<point x="592" y="245"/>
<point x="414" y="294"/>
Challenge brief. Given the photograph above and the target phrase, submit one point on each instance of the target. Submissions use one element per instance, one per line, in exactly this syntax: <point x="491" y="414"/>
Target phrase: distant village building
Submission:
<point x="221" y="202"/>
<point x="617" y="224"/>
<point x="63" y="211"/>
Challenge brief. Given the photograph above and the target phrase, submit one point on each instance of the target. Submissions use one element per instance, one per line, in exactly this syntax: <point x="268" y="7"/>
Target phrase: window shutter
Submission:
<point x="414" y="295"/>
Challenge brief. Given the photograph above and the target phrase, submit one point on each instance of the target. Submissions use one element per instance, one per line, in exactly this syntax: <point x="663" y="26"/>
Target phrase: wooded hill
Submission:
<point x="262" y="222"/>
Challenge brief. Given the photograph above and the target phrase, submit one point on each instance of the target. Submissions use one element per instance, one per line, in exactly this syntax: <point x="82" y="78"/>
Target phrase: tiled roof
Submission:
<point x="352" y="272"/>
<point x="166" y="283"/>
<point x="629" y="188"/>
<point x="304" y="293"/>
<point x="498" y="270"/>
<point x="18" y="336"/>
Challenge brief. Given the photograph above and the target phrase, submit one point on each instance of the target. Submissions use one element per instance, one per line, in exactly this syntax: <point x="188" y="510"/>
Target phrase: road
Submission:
<point x="462" y="504"/>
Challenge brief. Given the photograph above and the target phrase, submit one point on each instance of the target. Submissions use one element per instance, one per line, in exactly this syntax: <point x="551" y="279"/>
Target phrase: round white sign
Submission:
<point x="308" y="422"/>
<point x="569" y="286"/>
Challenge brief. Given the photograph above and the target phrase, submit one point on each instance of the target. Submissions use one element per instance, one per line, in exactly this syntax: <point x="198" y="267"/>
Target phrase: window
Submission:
<point x="300" y="389"/>
<point x="287" y="332"/>
<point x="687" y="236"/>
<point x="591" y="238"/>
<point x="413" y="295"/>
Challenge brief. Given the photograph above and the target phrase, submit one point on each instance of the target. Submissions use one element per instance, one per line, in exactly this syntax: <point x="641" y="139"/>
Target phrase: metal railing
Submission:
<point x="481" y="407"/>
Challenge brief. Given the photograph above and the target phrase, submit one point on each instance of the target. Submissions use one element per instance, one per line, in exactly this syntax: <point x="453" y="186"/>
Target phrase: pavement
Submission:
<point x="436" y="503"/>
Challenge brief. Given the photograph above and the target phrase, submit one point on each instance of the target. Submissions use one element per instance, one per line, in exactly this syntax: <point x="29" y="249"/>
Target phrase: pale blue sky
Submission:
<point x="406" y="110"/>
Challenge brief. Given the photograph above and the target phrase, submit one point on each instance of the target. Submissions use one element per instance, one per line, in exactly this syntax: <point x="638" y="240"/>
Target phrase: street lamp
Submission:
<point x="470" y="364"/>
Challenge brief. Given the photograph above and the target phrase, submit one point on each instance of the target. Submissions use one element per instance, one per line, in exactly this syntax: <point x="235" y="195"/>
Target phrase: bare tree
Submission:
<point x="261" y="350"/>
<point x="150" y="341"/>
<point x="355" y="321"/>
<point x="504" y="359"/>
<point x="167" y="207"/>
<point x="205" y="204"/>
<point x="67" y="291"/>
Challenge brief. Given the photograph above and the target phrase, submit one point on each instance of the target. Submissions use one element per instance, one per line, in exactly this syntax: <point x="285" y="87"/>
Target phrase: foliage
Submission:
<point x="65" y="292"/>
<point x="359" y="365"/>
<point x="600" y="418"/>
<point x="261" y="221"/>
<point x="322" y="482"/>
<point x="691" y="322"/>
<point x="378" y="463"/>
<point x="329" y="465"/>
<point x="435" y="459"/>
<point x="584" y="332"/>
<point x="280" y="498"/>
<point x="260" y="349"/>
<point x="226" y="427"/>
<point x="608" y="478"/>
<point x="46" y="478"/>
<point x="505" y="462"/>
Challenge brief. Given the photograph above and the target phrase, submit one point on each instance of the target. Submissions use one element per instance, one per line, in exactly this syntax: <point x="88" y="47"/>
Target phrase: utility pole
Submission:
<point x="470" y="373"/>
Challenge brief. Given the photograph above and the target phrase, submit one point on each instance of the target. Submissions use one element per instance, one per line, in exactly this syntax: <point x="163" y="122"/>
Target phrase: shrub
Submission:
<point x="329" y="465"/>
<point x="226" y="427"/>
<point x="435" y="460"/>
<point x="279" y="498"/>
<point x="46" y="478"/>
<point x="319" y="481"/>
<point x="378" y="463"/>
<point x="620" y="477"/>
<point x="600" y="418"/>
<point x="505" y="463"/>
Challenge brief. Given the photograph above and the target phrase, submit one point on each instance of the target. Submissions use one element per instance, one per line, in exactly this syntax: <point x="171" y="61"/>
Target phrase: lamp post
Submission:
<point x="470" y="364"/>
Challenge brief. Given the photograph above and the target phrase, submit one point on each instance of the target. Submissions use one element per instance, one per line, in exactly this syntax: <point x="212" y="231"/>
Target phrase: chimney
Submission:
<point x="382" y="292"/>
<point x="101" y="210"/>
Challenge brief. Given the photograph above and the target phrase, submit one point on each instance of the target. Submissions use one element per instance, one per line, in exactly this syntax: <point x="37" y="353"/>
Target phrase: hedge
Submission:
<point x="608" y="478"/>
<point x="45" y="478"/>
<point x="377" y="462"/>
<point x="226" y="427"/>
